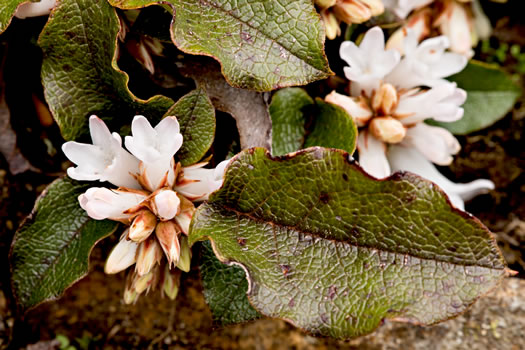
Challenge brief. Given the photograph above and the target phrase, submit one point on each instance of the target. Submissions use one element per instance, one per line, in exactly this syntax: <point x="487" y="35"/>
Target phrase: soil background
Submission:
<point x="91" y="314"/>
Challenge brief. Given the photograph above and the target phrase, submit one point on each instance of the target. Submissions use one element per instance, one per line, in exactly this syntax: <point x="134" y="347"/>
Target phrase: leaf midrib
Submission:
<point x="217" y="207"/>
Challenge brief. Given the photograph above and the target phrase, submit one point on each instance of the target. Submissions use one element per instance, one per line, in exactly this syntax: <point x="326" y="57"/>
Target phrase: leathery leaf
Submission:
<point x="261" y="45"/>
<point x="333" y="251"/>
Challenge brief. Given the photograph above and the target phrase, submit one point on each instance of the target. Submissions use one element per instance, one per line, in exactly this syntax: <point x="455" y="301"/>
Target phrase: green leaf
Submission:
<point x="334" y="128"/>
<point x="491" y="94"/>
<point x="196" y="117"/>
<point x="334" y="251"/>
<point x="291" y="109"/>
<point x="261" y="44"/>
<point x="225" y="289"/>
<point x="51" y="249"/>
<point x="288" y="113"/>
<point x="7" y="11"/>
<point x="80" y="73"/>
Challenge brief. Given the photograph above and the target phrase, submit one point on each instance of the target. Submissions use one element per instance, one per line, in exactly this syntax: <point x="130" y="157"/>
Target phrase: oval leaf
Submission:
<point x="51" y="248"/>
<point x="80" y="73"/>
<point x="491" y="94"/>
<point x="196" y="117"/>
<point x="334" y="251"/>
<point x="292" y="108"/>
<point x="262" y="45"/>
<point x="333" y="128"/>
<point x="225" y="289"/>
<point x="7" y="11"/>
<point x="288" y="110"/>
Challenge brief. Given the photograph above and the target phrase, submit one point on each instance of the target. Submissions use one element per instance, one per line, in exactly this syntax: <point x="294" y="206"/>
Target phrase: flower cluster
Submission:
<point x="390" y="97"/>
<point x="462" y="21"/>
<point x="154" y="198"/>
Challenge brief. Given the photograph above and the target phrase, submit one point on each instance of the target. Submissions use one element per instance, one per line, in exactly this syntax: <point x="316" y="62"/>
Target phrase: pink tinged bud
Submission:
<point x="149" y="254"/>
<point x="34" y="9"/>
<point x="331" y="24"/>
<point x="102" y="203"/>
<point x="168" y="234"/>
<point x="143" y="225"/>
<point x="122" y="256"/>
<point x="376" y="6"/>
<point x="130" y="296"/>
<point x="387" y="129"/>
<point x="419" y="23"/>
<point x="185" y="255"/>
<point x="325" y="3"/>
<point x="166" y="204"/>
<point x="385" y="99"/>
<point x="184" y="218"/>
<point x="352" y="11"/>
<point x="143" y="283"/>
<point x="171" y="282"/>
<point x="355" y="106"/>
<point x="456" y="23"/>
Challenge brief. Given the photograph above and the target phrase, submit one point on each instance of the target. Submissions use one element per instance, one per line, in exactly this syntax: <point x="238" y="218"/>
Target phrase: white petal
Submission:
<point x="435" y="143"/>
<point x="143" y="143"/>
<point x="102" y="203"/>
<point x="168" y="136"/>
<point x="167" y="204"/>
<point x="122" y="256"/>
<point x="408" y="159"/>
<point x="372" y="156"/>
<point x="360" y="112"/>
<point x="105" y="160"/>
<point x="198" y="183"/>
<point x="373" y="42"/>
<point x="34" y="9"/>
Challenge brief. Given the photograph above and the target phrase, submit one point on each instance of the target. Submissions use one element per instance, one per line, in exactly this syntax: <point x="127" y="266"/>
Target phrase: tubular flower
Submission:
<point x="463" y="22"/>
<point x="154" y="198"/>
<point x="390" y="100"/>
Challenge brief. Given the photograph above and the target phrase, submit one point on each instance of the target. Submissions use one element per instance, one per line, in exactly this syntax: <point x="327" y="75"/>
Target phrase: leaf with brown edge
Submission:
<point x="80" y="73"/>
<point x="261" y="45"/>
<point x="51" y="248"/>
<point x="7" y="11"/>
<point x="334" y="251"/>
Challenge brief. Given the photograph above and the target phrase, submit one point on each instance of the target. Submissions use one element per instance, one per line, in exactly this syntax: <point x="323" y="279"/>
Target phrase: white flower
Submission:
<point x="155" y="148"/>
<point x="456" y="24"/>
<point x="104" y="160"/>
<point x="369" y="63"/>
<point x="35" y="9"/>
<point x="102" y="203"/>
<point x="409" y="159"/>
<point x="390" y="115"/>
<point x="425" y="64"/>
<point x="441" y="103"/>
<point x="198" y="183"/>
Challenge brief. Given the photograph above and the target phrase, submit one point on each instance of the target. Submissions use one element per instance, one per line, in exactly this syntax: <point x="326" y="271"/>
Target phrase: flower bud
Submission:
<point x="385" y="99"/>
<point x="185" y="255"/>
<point x="352" y="11"/>
<point x="419" y="23"/>
<point x="166" y="204"/>
<point x="142" y="226"/>
<point x="171" y="282"/>
<point x="325" y="3"/>
<point x="387" y="129"/>
<point x="122" y="256"/>
<point x="168" y="236"/>
<point x="331" y="24"/>
<point x="142" y="283"/>
<point x="355" y="106"/>
<point x="183" y="219"/>
<point x="376" y="6"/>
<point x="130" y="296"/>
<point x="149" y="254"/>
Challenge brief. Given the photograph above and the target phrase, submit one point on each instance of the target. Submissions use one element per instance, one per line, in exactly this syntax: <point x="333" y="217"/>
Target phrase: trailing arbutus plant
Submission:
<point x="308" y="230"/>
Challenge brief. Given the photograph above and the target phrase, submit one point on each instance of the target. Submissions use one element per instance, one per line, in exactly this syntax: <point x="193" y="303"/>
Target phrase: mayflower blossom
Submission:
<point x="391" y="96"/>
<point x="35" y="9"/>
<point x="154" y="199"/>
<point x="463" y="22"/>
